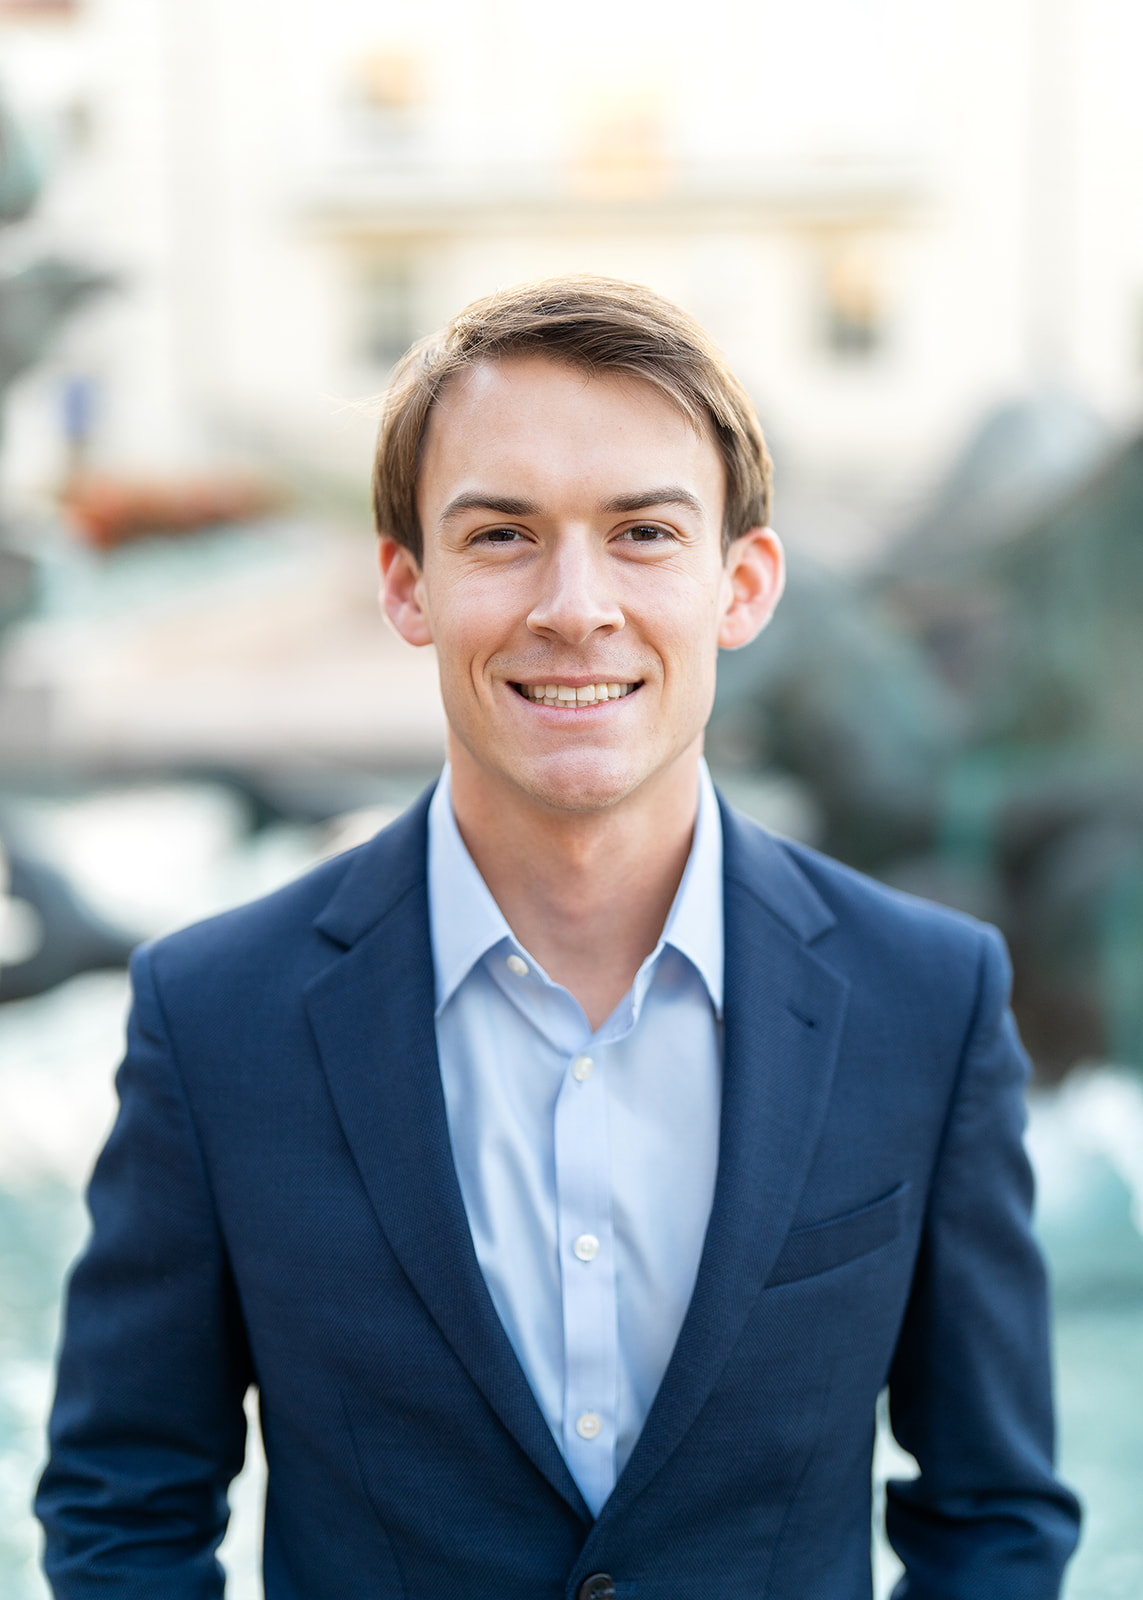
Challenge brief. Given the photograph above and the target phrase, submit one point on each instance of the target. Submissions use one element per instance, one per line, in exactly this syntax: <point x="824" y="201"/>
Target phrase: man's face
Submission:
<point x="572" y="544"/>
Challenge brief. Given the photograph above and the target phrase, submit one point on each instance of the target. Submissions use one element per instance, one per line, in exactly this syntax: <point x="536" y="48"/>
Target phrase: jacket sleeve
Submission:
<point x="970" y="1387"/>
<point x="148" y="1427"/>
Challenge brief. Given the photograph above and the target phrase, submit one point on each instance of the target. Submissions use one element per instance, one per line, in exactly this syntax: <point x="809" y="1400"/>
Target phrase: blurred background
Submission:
<point x="917" y="232"/>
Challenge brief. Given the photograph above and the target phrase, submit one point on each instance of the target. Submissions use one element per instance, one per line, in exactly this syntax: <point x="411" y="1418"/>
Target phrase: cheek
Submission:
<point x="469" y="626"/>
<point x="686" y="634"/>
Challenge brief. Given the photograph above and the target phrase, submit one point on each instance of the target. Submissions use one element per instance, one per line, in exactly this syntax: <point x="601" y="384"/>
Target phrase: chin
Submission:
<point x="579" y="782"/>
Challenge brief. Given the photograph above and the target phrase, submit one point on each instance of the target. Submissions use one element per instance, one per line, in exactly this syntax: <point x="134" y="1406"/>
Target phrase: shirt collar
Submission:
<point x="694" y="924"/>
<point x="464" y="918"/>
<point x="466" y="922"/>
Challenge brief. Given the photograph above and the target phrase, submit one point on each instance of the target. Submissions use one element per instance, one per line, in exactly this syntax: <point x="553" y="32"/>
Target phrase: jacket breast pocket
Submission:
<point x="824" y="1245"/>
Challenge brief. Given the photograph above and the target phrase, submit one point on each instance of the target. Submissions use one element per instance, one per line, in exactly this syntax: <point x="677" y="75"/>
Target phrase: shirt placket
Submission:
<point x="587" y="1276"/>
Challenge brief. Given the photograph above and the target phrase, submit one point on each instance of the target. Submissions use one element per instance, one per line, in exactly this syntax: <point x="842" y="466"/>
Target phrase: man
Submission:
<point x="571" y="1166"/>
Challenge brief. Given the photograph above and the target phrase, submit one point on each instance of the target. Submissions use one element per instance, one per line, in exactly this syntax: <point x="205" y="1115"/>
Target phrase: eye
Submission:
<point x="647" y="533"/>
<point x="497" y="536"/>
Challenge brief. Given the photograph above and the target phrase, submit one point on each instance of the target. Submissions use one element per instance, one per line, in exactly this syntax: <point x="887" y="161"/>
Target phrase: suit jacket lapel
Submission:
<point x="783" y="1015"/>
<point x="372" y="1014"/>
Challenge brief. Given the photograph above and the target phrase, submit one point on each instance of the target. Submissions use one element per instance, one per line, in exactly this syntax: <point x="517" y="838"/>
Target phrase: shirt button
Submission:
<point x="588" y="1425"/>
<point x="520" y="968"/>
<point x="586" y="1247"/>
<point x="582" y="1068"/>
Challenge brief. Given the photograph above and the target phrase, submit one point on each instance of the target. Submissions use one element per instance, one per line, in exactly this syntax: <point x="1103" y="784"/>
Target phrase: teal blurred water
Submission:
<point x="56" y="1057"/>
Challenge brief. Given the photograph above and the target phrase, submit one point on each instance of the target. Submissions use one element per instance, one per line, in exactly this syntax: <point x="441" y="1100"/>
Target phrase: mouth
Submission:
<point x="569" y="697"/>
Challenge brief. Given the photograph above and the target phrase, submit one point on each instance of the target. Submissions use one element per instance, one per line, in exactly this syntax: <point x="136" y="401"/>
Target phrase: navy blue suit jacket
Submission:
<point x="277" y="1205"/>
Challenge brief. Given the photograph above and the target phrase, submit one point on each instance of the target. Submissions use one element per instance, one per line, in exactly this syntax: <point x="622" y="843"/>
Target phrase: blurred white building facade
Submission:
<point x="889" y="215"/>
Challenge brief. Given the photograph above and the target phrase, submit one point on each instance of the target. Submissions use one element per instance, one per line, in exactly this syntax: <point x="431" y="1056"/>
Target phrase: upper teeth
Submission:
<point x="560" y="692"/>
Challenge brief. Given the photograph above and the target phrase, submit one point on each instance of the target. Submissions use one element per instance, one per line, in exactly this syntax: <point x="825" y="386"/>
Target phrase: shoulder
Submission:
<point x="263" y="925"/>
<point x="880" y="938"/>
<point x="860" y="901"/>
<point x="913" y="942"/>
<point x="289" y="935"/>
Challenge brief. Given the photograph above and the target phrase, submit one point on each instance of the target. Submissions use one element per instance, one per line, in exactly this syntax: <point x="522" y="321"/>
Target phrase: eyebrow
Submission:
<point x="670" y="495"/>
<point x="502" y="505"/>
<point x="513" y="506"/>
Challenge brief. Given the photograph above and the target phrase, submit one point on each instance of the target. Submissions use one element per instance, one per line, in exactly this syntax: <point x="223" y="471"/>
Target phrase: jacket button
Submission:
<point x="600" y="1586"/>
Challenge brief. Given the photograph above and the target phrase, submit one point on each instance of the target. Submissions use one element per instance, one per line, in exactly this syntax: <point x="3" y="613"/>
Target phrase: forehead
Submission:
<point x="549" y="423"/>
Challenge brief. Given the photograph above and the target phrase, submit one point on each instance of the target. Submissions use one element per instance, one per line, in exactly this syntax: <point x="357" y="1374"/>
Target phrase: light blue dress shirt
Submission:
<point x="586" y="1160"/>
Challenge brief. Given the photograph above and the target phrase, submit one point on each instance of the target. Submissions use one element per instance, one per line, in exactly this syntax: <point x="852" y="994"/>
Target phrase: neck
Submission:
<point x="585" y="893"/>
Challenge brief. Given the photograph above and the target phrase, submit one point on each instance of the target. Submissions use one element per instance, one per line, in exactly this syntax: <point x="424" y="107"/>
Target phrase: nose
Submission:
<point x="575" y="598"/>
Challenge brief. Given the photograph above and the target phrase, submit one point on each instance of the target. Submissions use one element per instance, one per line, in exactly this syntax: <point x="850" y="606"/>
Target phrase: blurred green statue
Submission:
<point x="35" y="299"/>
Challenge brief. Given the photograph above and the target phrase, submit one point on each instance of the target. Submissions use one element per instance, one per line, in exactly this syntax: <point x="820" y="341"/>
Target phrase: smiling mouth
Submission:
<point x="564" y="697"/>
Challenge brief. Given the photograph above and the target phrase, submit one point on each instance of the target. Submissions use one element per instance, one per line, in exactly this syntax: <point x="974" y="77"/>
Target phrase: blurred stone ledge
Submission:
<point x="281" y="661"/>
<point x="25" y="726"/>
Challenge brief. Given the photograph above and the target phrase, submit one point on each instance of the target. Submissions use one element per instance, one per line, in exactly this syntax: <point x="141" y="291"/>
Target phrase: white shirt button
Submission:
<point x="586" y="1247"/>
<point x="520" y="968"/>
<point x="582" y="1068"/>
<point x="588" y="1425"/>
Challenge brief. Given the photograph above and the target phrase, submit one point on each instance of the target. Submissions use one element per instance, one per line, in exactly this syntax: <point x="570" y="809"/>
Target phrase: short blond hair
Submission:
<point x="593" y="324"/>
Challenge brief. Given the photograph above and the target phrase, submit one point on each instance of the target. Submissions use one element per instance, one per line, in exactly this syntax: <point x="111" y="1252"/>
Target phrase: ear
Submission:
<point x="755" y="574"/>
<point x="403" y="592"/>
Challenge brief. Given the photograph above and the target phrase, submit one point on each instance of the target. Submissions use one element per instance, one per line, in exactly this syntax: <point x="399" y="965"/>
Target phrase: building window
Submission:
<point x="620" y="149"/>
<point x="852" y="312"/>
<point x="387" y="318"/>
<point x="386" y="103"/>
